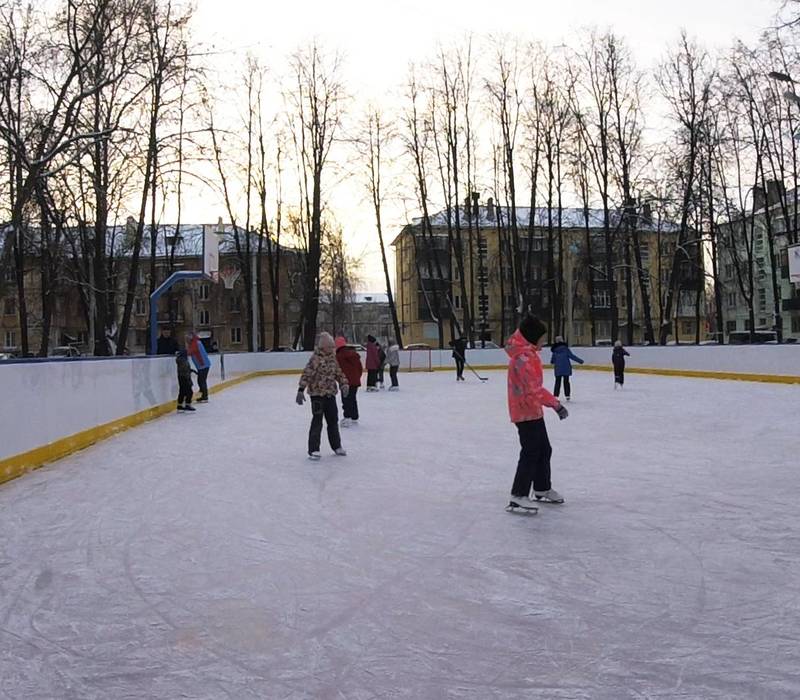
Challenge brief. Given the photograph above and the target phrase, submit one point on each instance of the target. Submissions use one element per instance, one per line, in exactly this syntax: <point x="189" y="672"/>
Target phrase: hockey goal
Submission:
<point x="420" y="358"/>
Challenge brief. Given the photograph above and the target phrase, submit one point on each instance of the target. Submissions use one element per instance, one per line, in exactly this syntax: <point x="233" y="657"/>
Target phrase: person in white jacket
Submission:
<point x="393" y="360"/>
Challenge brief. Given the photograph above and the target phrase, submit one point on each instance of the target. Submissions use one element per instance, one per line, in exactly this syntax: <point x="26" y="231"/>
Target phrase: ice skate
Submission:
<point x="354" y="422"/>
<point x="314" y="456"/>
<point x="340" y="452"/>
<point x="567" y="398"/>
<point x="550" y="496"/>
<point x="181" y="407"/>
<point x="521" y="504"/>
<point x="344" y="423"/>
<point x="394" y="388"/>
<point x="202" y="400"/>
<point x="189" y="407"/>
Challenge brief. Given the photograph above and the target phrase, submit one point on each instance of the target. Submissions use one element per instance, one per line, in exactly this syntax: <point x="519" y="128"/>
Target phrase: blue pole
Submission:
<point x="158" y="293"/>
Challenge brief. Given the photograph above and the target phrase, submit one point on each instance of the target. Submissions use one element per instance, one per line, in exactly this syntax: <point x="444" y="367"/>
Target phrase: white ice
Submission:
<point x="202" y="556"/>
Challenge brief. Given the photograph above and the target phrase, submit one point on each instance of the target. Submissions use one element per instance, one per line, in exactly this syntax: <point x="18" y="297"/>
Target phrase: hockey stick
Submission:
<point x="468" y="366"/>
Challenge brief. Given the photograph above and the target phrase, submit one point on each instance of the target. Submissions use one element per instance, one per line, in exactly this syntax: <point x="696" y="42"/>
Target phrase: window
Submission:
<point x="601" y="299"/>
<point x="236" y="336"/>
<point x="688" y="327"/>
<point x="9" y="275"/>
<point x="510" y="301"/>
<point x="760" y="245"/>
<point x="762" y="323"/>
<point x="729" y="270"/>
<point x="10" y="339"/>
<point x="9" y="306"/>
<point x="732" y="299"/>
<point x="141" y="278"/>
<point x="603" y="329"/>
<point x="730" y="326"/>
<point x="760" y="261"/>
<point x="795" y="324"/>
<point x="577" y="329"/>
<point x="205" y="292"/>
<point x="644" y="251"/>
<point x="762" y="299"/>
<point x="457" y="301"/>
<point x="140" y="306"/>
<point x="235" y="304"/>
<point x="483" y="304"/>
<point x="204" y="317"/>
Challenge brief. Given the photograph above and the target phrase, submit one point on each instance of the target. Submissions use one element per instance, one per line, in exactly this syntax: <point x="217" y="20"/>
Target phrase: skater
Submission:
<point x="320" y="377"/>
<point x="381" y="365"/>
<point x="618" y="360"/>
<point x="561" y="359"/>
<point x="373" y="362"/>
<point x="393" y="358"/>
<point x="350" y="362"/>
<point x="197" y="351"/>
<point x="526" y="398"/>
<point x="185" y="388"/>
<point x="459" y="346"/>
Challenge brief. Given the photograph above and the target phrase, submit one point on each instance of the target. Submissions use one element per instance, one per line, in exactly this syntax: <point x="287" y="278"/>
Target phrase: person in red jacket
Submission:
<point x="526" y="399"/>
<point x="350" y="362"/>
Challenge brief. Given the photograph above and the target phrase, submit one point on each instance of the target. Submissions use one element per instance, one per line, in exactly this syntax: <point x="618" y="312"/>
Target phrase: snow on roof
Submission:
<point x="371" y="298"/>
<point x="571" y="217"/>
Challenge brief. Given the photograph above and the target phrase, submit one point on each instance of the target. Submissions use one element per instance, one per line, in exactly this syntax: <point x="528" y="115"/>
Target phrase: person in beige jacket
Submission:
<point x="323" y="379"/>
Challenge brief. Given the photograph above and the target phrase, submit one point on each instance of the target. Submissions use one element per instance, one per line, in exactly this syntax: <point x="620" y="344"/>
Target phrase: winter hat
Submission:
<point x="326" y="341"/>
<point x="532" y="329"/>
<point x="618" y="344"/>
<point x="340" y="342"/>
<point x="559" y="339"/>
<point x="371" y="338"/>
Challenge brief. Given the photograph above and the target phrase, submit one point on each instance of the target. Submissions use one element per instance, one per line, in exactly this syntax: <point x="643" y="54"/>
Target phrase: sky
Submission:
<point x="380" y="39"/>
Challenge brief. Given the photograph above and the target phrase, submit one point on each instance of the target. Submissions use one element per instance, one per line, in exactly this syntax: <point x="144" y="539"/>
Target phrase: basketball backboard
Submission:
<point x="211" y="250"/>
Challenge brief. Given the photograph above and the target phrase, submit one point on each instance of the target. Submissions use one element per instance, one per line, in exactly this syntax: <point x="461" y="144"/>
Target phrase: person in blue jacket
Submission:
<point x="202" y="363"/>
<point x="562" y="358"/>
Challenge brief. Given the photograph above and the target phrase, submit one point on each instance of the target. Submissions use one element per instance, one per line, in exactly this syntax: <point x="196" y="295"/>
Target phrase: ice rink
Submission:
<point x="203" y="556"/>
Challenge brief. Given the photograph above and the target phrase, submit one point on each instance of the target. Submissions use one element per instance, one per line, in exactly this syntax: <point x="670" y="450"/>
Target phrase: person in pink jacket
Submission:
<point x="527" y="398"/>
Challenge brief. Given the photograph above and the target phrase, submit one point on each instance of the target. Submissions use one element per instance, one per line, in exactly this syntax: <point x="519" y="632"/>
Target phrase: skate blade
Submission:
<point x="549" y="502"/>
<point x="514" y="508"/>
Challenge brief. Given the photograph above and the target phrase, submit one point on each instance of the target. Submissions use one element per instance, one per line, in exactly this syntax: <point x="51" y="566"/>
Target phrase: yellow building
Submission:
<point x="430" y="288"/>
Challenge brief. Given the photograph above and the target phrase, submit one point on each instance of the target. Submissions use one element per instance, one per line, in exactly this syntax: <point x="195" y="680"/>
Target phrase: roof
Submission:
<point x="371" y="298"/>
<point x="571" y="217"/>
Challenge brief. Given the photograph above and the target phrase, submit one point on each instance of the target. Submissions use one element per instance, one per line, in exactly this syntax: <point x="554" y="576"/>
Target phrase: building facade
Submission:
<point x="218" y="314"/>
<point x="745" y="267"/>
<point x="559" y="291"/>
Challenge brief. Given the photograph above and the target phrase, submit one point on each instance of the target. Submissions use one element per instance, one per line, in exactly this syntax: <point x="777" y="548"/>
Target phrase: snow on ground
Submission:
<point x="203" y="556"/>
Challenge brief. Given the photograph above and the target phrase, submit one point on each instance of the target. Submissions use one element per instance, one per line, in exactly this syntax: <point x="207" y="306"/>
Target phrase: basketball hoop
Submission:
<point x="229" y="275"/>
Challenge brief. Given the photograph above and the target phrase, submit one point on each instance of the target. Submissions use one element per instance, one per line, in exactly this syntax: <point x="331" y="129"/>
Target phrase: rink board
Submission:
<point x="50" y="410"/>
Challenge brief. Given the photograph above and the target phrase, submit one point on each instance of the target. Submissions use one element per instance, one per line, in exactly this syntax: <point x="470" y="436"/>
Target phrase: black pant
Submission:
<point x="202" y="382"/>
<point x="184" y="390"/>
<point x="533" y="467"/>
<point x="324" y="406"/>
<point x="557" y="389"/>
<point x="350" y="404"/>
<point x="372" y="377"/>
<point x="619" y="374"/>
<point x="393" y="374"/>
<point x="459" y="367"/>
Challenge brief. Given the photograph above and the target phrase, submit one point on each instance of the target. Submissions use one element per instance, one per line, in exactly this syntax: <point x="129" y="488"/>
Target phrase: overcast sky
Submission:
<point x="379" y="39"/>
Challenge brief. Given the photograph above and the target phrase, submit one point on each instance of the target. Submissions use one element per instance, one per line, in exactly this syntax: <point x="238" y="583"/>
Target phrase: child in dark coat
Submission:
<point x="618" y="360"/>
<point x="185" y="389"/>
<point x="561" y="358"/>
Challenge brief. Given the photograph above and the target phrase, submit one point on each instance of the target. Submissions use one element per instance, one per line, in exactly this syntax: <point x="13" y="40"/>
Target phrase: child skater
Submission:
<point x="393" y="358"/>
<point x="562" y="367"/>
<point x="618" y="360"/>
<point x="185" y="389"/>
<point x="526" y="399"/>
<point x="350" y="362"/>
<point x="320" y="377"/>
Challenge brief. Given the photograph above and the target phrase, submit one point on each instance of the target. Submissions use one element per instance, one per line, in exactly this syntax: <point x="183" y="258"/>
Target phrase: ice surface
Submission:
<point x="202" y="556"/>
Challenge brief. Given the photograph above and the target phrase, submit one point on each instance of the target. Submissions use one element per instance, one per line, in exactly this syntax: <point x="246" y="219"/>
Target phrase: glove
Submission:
<point x="345" y="391"/>
<point x="300" y="399"/>
<point x="562" y="412"/>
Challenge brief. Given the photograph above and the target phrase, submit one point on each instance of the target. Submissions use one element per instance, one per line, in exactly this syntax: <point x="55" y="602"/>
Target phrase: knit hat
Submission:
<point x="326" y="341"/>
<point x="340" y="342"/>
<point x="532" y="329"/>
<point x="559" y="339"/>
<point x="371" y="338"/>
